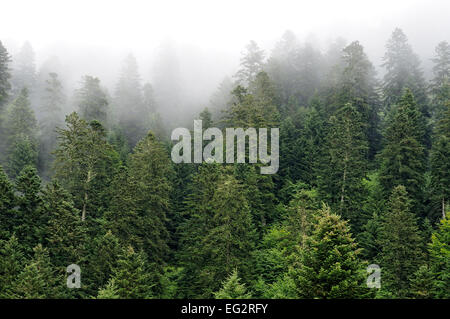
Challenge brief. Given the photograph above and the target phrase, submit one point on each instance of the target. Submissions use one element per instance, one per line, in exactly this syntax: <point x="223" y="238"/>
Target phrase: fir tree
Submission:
<point x="5" y="75"/>
<point x="329" y="265"/>
<point x="403" y="158"/>
<point x="92" y="101"/>
<point x="11" y="264"/>
<point x="401" y="243"/>
<point x="440" y="259"/>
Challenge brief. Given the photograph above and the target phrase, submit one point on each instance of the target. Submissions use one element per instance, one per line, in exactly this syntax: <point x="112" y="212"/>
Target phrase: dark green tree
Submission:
<point x="92" y="101"/>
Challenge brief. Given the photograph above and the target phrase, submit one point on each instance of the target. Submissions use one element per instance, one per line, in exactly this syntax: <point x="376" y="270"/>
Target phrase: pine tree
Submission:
<point x="92" y="101"/>
<point x="329" y="265"/>
<point x="401" y="243"/>
<point x="440" y="259"/>
<point x="232" y="288"/>
<point x="422" y="283"/>
<point x="345" y="164"/>
<point x="130" y="276"/>
<point x="403" y="158"/>
<point x="11" y="264"/>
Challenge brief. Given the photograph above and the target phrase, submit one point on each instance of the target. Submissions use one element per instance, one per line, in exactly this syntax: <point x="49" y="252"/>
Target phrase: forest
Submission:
<point x="87" y="179"/>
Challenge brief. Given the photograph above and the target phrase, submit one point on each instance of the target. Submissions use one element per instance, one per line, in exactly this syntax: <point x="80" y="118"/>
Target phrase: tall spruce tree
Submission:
<point x="402" y="71"/>
<point x="440" y="259"/>
<point x="345" y="164"/>
<point x="5" y="76"/>
<point x="440" y="84"/>
<point x="403" y="156"/>
<point x="401" y="241"/>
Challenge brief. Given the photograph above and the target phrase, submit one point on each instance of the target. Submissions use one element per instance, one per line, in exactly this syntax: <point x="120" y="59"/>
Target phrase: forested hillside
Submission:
<point x="364" y="178"/>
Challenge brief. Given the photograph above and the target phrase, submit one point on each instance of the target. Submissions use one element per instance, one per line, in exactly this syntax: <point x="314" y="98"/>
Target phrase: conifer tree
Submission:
<point x="53" y="101"/>
<point x="403" y="158"/>
<point x="440" y="84"/>
<point x="7" y="204"/>
<point x="440" y="259"/>
<point x="130" y="276"/>
<point x="252" y="62"/>
<point x="232" y="288"/>
<point x="37" y="280"/>
<point x="24" y="69"/>
<point x="401" y="254"/>
<point x="29" y="222"/>
<point x="345" y="164"/>
<point x="151" y="174"/>
<point x="92" y="101"/>
<point x="5" y="75"/>
<point x="85" y="163"/>
<point x="11" y="264"/>
<point x="65" y="234"/>
<point x="110" y="291"/>
<point x="21" y="132"/>
<point x="440" y="164"/>
<point x="329" y="265"/>
<point x="402" y="71"/>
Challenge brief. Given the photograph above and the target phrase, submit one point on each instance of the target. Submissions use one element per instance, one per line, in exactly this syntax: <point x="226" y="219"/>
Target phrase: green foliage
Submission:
<point x="11" y="264"/>
<point x="92" y="101"/>
<point x="232" y="288"/>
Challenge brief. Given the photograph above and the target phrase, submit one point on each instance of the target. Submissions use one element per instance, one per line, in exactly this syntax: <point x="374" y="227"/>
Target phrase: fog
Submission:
<point x="184" y="49"/>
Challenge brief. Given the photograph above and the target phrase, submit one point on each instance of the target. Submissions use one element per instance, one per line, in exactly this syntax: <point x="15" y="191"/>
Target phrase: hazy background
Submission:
<point x="204" y="38"/>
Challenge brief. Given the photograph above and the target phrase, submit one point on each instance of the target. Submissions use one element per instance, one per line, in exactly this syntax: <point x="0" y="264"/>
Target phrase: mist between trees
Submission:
<point x="364" y="178"/>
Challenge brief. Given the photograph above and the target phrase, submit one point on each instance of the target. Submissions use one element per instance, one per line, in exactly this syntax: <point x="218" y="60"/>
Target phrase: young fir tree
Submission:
<point x="440" y="84"/>
<point x="232" y="288"/>
<point x="329" y="265"/>
<point x="440" y="259"/>
<point x="110" y="291"/>
<point x="422" y="283"/>
<point x="21" y="135"/>
<point x="345" y="165"/>
<point x="11" y="264"/>
<point x="130" y="276"/>
<point x="92" y="101"/>
<point x="403" y="158"/>
<point x="401" y="243"/>
<point x="402" y="71"/>
<point x="37" y="280"/>
<point x="440" y="164"/>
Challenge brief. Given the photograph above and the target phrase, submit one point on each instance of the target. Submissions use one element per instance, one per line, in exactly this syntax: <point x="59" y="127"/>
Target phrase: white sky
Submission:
<point x="207" y="23"/>
<point x="214" y="31"/>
